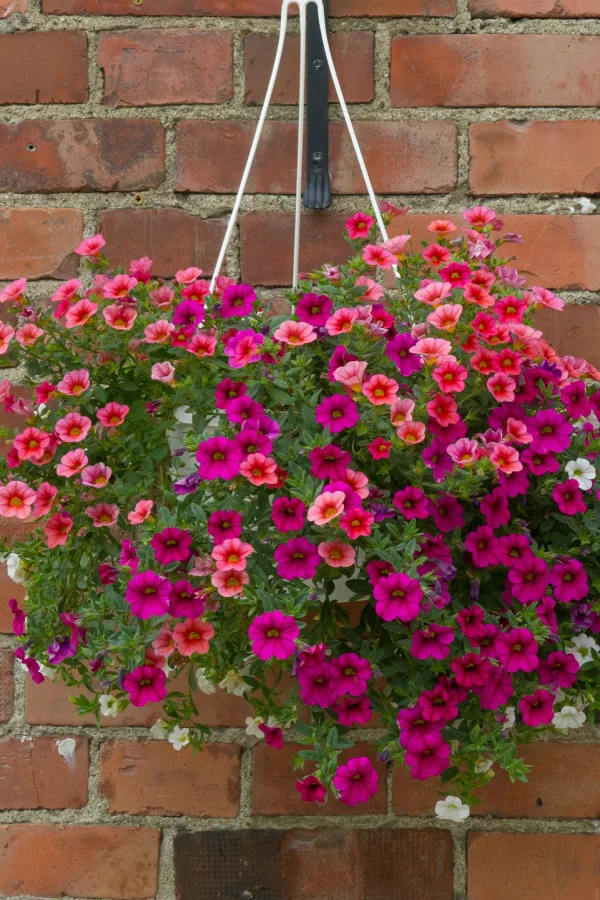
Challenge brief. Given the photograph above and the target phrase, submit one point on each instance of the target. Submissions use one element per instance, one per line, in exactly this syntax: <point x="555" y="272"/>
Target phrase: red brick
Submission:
<point x="82" y="155"/>
<point x="559" y="252"/>
<point x="43" y="67"/>
<point x="519" y="9"/>
<point x="9" y="7"/>
<point x="535" y="158"/>
<point x="246" y="7"/>
<point x="562" y="784"/>
<point x="88" y="861"/>
<point x="51" y="233"/>
<point x="533" y="866"/>
<point x="211" y="157"/>
<point x="352" y="55"/>
<point x="166" y="65"/>
<point x="49" y="704"/>
<point x="361" y="864"/>
<point x="572" y="332"/>
<point x="6" y="685"/>
<point x="267" y="241"/>
<point x="274" y="784"/>
<point x="34" y="774"/>
<point x="154" y="779"/>
<point x="172" y="238"/>
<point x="512" y="70"/>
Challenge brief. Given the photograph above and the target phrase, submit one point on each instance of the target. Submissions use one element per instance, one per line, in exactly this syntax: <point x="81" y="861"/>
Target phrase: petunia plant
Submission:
<point x="376" y="510"/>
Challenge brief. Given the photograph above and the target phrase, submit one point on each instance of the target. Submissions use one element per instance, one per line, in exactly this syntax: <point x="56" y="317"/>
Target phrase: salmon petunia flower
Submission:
<point x="411" y="432"/>
<point x="193" y="636"/>
<point x="328" y="506"/>
<point x="445" y="317"/>
<point x="295" y="333"/>
<point x="337" y="554"/>
<point x="431" y="349"/>
<point x="74" y="383"/>
<point x="380" y="390"/>
<point x="16" y="500"/>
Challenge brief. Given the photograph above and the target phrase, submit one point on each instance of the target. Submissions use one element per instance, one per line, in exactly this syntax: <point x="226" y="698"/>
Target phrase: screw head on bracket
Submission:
<point x="317" y="156"/>
<point x="318" y="64"/>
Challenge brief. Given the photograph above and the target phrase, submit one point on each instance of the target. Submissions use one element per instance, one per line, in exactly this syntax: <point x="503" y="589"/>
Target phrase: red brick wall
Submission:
<point x="134" y="117"/>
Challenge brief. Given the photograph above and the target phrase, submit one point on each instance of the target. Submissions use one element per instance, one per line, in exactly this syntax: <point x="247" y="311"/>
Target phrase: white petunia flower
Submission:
<point x="233" y="683"/>
<point x="582" y="648"/>
<point x="483" y="765"/>
<point x="252" y="726"/>
<point x="159" y="730"/>
<point x="509" y="714"/>
<point x="179" y="737"/>
<point x="206" y="686"/>
<point x="582" y="471"/>
<point x="109" y="706"/>
<point x="569" y="717"/>
<point x="15" y="568"/>
<point x="452" y="808"/>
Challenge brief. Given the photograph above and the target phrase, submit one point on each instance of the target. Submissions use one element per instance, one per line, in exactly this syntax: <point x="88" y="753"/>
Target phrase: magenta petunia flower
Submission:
<point x="356" y="781"/>
<point x="314" y="309"/>
<point x="540" y="463"/>
<point x="545" y="613"/>
<point x="171" y="545"/>
<point x="559" y="670"/>
<point x="329" y="462"/>
<point x="288" y="514"/>
<point x="240" y="409"/>
<point x="398" y="597"/>
<point x="440" y="704"/>
<point x="435" y="456"/>
<point x="315" y="681"/>
<point x="148" y="595"/>
<point x="223" y="524"/>
<point x="471" y="670"/>
<point x="243" y="348"/>
<point x="569" y="498"/>
<point x="550" y="431"/>
<point x="352" y="710"/>
<point x="273" y="635"/>
<point x="146" y="684"/>
<point x="188" y="312"/>
<point x="311" y="789"/>
<point x="456" y="274"/>
<point x="431" y="760"/>
<point x="412" y="503"/>
<point x="273" y="735"/>
<point x="297" y="559"/>
<point x="353" y="674"/>
<point x="576" y="402"/>
<point x="337" y="413"/>
<point x="537" y="708"/>
<point x="482" y="544"/>
<point x="517" y="650"/>
<point x="529" y="579"/>
<point x="397" y="350"/>
<point x="485" y="639"/>
<point x="470" y="620"/>
<point x="569" y="579"/>
<point x="18" y="623"/>
<point x="237" y="300"/>
<point x="497" y="690"/>
<point x="447" y="512"/>
<point x="513" y="548"/>
<point x="431" y="642"/>
<point x="494" y="507"/>
<point x="128" y="555"/>
<point x="227" y="390"/>
<point x="185" y="600"/>
<point x="219" y="457"/>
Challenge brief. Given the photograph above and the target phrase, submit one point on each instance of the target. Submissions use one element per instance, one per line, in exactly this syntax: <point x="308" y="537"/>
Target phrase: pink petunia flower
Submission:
<point x="228" y="582"/>
<point x="351" y="376"/>
<point x="569" y="579"/>
<point x="376" y="255"/>
<point x="6" y="335"/>
<point x="219" y="457"/>
<point x="379" y="448"/>
<point x="529" y="578"/>
<point x="74" y="383"/>
<point x="80" y="313"/>
<point x="28" y="334"/>
<point x="232" y="554"/>
<point x="401" y="411"/>
<point x="259" y="469"/>
<point x="337" y="413"/>
<point x="158" y="332"/>
<point x="328" y="506"/>
<point x="16" y="500"/>
<point x="412" y="503"/>
<point x="411" y="432"/>
<point x="314" y="309"/>
<point x="57" y="529"/>
<point x="449" y="375"/>
<point x="296" y="334"/>
<point x="337" y="554"/>
<point x="359" y="225"/>
<point x="445" y="317"/>
<point x="517" y="650"/>
<point x="118" y="288"/>
<point x="31" y="444"/>
<point x="353" y="674"/>
<point x="72" y="463"/>
<point x="483" y="546"/>
<point x="243" y="348"/>
<point x="202" y="344"/>
<point x="193" y="636"/>
<point x="273" y="635"/>
<point x="112" y="415"/>
<point x="73" y="428"/>
<point x="352" y="710"/>
<point x="380" y="390"/>
<point x="341" y="322"/>
<point x="103" y="515"/>
<point x="96" y="476"/>
<point x="164" y="371"/>
<point x="442" y="227"/>
<point x="506" y="458"/>
<point x="431" y="349"/>
<point x="91" y="246"/>
<point x="120" y="316"/>
<point x="44" y="499"/>
<point x="433" y="293"/>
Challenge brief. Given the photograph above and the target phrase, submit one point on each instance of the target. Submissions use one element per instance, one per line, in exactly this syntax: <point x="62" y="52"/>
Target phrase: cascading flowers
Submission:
<point x="381" y="507"/>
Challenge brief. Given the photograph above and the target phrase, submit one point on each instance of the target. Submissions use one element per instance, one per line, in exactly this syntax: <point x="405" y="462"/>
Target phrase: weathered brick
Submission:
<point x="172" y="238"/>
<point x="6" y="685"/>
<point x="558" y="252"/>
<point x="574" y="331"/>
<point x="43" y="772"/>
<point x="79" y="861"/>
<point x="533" y="866"/>
<point x="166" y="65"/>
<point x="402" y="157"/>
<point x="9" y="7"/>
<point x="51" y="233"/>
<point x="49" y="704"/>
<point x="154" y="779"/>
<point x="562" y="784"/>
<point x="267" y="241"/>
<point x="82" y="155"/>
<point x="519" y="9"/>
<point x="352" y="54"/>
<point x="245" y="7"/>
<point x="511" y="70"/>
<point x="274" y="784"/>
<point x="43" y="67"/>
<point x="362" y="864"/>
<point x="535" y="158"/>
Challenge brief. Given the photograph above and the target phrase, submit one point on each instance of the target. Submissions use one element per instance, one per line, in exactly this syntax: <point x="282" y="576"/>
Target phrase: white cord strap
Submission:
<point x="302" y="4"/>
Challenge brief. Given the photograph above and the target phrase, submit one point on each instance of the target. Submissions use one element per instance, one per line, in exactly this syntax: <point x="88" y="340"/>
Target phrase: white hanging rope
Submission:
<point x="302" y="4"/>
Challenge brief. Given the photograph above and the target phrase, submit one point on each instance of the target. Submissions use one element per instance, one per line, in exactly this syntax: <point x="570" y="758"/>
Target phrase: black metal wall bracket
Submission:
<point x="317" y="194"/>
